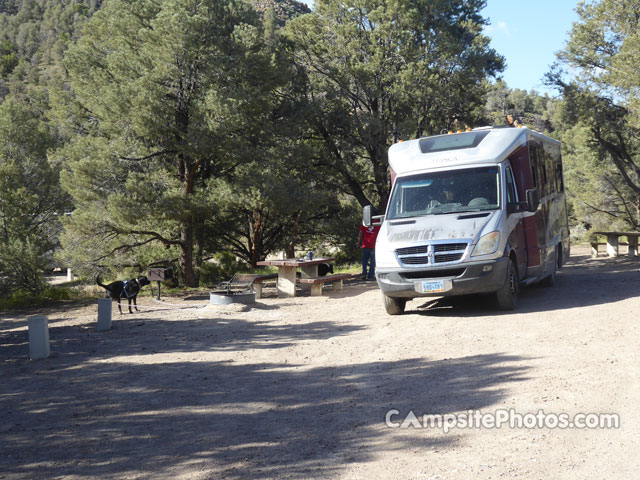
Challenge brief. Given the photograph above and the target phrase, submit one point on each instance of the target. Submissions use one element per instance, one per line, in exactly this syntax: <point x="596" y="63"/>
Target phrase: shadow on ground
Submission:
<point x="89" y="412"/>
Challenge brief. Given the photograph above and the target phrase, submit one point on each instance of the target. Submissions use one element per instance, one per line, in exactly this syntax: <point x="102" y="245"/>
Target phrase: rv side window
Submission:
<point x="551" y="175"/>
<point x="559" y="179"/>
<point x="533" y="155"/>
<point x="538" y="167"/>
<point x="511" y="186"/>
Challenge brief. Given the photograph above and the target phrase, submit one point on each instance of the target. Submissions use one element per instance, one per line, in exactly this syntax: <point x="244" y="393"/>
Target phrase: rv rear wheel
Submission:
<point x="550" y="280"/>
<point x="394" y="306"/>
<point x="507" y="296"/>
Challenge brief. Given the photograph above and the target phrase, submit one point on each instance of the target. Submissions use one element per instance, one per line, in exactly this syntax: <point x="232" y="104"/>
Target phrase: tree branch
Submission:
<point x="148" y="157"/>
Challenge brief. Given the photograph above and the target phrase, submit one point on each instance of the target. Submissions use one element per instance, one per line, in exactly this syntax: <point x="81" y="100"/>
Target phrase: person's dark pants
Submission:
<point x="369" y="258"/>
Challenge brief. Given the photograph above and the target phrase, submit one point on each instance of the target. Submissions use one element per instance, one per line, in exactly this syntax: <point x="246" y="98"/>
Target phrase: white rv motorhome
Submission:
<point x="481" y="211"/>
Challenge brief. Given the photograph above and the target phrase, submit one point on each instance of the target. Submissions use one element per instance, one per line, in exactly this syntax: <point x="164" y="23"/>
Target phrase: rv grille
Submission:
<point x="452" y="272"/>
<point x="415" y="260"/>
<point x="429" y="254"/>
<point x="413" y="250"/>
<point x="449" y="247"/>
<point x="450" y="257"/>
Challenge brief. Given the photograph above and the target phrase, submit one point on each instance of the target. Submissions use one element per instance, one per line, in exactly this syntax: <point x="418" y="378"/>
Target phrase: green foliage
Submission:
<point x="26" y="299"/>
<point x="528" y="108"/>
<point x="34" y="37"/>
<point x="280" y="11"/>
<point x="165" y="92"/>
<point x="31" y="201"/>
<point x="8" y="58"/>
<point x="603" y="101"/>
<point x="223" y="267"/>
<point x="381" y="71"/>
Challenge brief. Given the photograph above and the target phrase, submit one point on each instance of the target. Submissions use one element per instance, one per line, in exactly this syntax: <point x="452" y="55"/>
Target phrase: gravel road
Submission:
<point x="333" y="387"/>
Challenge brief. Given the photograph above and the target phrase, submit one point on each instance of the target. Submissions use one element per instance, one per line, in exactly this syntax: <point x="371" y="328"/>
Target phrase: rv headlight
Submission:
<point x="487" y="244"/>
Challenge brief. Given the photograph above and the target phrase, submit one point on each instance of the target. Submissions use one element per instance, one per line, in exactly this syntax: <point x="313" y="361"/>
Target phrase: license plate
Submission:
<point x="433" y="286"/>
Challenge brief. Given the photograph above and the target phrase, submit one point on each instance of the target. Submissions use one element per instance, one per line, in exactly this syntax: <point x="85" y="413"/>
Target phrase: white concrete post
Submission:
<point x="39" y="346"/>
<point x="309" y="271"/>
<point x="69" y="275"/>
<point x="633" y="246"/>
<point x="104" y="314"/>
<point x="286" y="281"/>
<point x="612" y="245"/>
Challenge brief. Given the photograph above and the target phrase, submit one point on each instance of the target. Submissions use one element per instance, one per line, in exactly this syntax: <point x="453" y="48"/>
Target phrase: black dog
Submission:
<point x="128" y="289"/>
<point x="324" y="268"/>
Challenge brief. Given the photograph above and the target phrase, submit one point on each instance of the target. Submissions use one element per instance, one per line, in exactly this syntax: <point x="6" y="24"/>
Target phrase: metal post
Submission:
<point x="39" y="346"/>
<point x="104" y="314"/>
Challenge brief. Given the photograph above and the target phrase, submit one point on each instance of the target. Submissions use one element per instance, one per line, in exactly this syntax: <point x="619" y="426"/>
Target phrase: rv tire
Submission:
<point x="550" y="280"/>
<point x="507" y="296"/>
<point x="394" y="306"/>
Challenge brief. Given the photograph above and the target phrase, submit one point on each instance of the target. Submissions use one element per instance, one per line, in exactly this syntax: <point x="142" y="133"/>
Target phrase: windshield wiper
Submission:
<point x="478" y="209"/>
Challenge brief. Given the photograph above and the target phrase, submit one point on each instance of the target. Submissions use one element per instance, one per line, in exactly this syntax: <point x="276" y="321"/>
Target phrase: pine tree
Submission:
<point x="384" y="71"/>
<point x="166" y="95"/>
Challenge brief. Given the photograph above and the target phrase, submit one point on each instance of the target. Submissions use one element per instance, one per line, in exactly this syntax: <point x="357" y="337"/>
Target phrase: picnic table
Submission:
<point x="287" y="269"/>
<point x="613" y="242"/>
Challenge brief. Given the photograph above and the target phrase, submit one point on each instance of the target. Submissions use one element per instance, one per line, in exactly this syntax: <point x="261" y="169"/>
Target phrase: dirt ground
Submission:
<point x="302" y="387"/>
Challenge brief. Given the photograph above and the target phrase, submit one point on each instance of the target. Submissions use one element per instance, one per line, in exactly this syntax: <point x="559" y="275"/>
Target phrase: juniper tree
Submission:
<point x="598" y="76"/>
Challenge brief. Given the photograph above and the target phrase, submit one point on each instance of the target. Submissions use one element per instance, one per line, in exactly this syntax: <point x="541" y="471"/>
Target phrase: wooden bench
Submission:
<point x="249" y="281"/>
<point x="318" y="282"/>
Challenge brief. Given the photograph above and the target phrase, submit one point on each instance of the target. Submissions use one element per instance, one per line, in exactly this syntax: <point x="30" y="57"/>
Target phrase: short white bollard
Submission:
<point x="38" y="337"/>
<point x="104" y="314"/>
<point x="69" y="275"/>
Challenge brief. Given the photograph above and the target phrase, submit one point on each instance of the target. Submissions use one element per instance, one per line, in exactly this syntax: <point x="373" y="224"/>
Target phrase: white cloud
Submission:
<point x="504" y="28"/>
<point x="501" y="27"/>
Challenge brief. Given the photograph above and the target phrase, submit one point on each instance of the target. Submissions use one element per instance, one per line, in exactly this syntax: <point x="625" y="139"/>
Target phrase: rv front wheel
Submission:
<point x="507" y="296"/>
<point x="394" y="306"/>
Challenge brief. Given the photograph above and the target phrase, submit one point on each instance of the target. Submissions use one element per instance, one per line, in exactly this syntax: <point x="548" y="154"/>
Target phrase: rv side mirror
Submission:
<point x="367" y="214"/>
<point x="532" y="200"/>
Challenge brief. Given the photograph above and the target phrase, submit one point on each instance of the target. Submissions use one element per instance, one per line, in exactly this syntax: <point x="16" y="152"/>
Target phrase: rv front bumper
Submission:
<point x="463" y="279"/>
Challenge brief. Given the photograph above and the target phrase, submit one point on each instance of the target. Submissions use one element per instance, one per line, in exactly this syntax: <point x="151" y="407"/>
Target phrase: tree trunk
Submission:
<point x="187" y="230"/>
<point x="186" y="257"/>
<point x="255" y="237"/>
<point x="291" y="248"/>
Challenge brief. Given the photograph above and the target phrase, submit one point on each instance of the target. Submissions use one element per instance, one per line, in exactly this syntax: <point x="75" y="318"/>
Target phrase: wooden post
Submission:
<point x="39" y="346"/>
<point x="104" y="314"/>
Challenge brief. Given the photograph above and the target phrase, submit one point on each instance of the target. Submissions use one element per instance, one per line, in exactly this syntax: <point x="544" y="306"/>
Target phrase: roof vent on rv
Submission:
<point x="456" y="141"/>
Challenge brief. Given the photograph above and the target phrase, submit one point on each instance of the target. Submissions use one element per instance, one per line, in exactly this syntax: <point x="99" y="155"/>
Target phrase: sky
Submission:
<point x="527" y="33"/>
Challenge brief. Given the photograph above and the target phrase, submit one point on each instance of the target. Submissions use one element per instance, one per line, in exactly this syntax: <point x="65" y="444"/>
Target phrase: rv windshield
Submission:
<point x="468" y="190"/>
